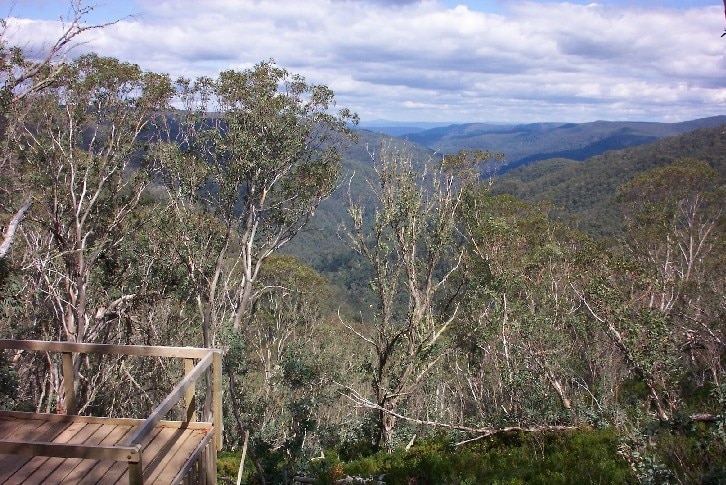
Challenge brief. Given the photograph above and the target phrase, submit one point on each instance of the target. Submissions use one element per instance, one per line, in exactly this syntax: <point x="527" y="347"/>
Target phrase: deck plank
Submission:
<point x="11" y="427"/>
<point x="41" y="474"/>
<point x="177" y="457"/>
<point x="165" y="450"/>
<point x="118" y="472"/>
<point x="170" y="459"/>
<point x="88" y="471"/>
<point x="84" y="436"/>
<point x="45" y="432"/>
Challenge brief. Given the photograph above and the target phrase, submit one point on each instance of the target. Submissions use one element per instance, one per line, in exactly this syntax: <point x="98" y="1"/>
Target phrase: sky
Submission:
<point x="513" y="61"/>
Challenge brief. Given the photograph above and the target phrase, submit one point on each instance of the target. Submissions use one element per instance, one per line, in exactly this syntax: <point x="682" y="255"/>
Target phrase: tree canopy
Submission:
<point x="139" y="209"/>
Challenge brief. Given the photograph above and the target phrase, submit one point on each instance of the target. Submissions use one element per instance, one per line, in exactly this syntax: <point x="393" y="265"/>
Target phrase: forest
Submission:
<point x="563" y="323"/>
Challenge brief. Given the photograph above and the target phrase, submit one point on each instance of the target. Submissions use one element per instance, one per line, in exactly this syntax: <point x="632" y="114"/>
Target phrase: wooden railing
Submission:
<point x="129" y="450"/>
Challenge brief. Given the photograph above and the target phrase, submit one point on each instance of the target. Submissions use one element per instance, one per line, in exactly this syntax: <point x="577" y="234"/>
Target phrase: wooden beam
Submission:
<point x="63" y="418"/>
<point x="174" y="396"/>
<point x="196" y="457"/>
<point x="211" y="468"/>
<point x="136" y="472"/>
<point x="82" y="348"/>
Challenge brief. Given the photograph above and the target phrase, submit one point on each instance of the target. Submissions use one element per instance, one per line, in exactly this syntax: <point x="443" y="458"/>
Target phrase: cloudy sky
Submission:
<point x="431" y="60"/>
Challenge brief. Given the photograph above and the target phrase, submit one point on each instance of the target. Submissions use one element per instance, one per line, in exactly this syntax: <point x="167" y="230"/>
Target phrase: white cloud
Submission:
<point x="530" y="61"/>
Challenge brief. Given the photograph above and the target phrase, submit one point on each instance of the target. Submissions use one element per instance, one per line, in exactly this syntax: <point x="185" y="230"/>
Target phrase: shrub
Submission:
<point x="581" y="456"/>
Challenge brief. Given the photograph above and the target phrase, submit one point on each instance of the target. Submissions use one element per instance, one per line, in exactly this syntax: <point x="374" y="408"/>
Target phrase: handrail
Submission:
<point x="174" y="396"/>
<point x="86" y="348"/>
<point x="130" y="451"/>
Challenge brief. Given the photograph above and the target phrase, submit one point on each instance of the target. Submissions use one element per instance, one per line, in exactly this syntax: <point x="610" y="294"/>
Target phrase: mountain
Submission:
<point x="399" y="128"/>
<point x="583" y="188"/>
<point x="586" y="189"/>
<point x="528" y="143"/>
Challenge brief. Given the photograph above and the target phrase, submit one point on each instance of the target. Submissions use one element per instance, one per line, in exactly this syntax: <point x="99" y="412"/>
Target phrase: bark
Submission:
<point x="703" y="417"/>
<point x="559" y="389"/>
<point x="479" y="433"/>
<point x="9" y="234"/>
<point x="242" y="429"/>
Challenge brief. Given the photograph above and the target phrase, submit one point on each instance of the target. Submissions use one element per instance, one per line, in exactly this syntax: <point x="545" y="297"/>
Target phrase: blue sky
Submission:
<point x="430" y="60"/>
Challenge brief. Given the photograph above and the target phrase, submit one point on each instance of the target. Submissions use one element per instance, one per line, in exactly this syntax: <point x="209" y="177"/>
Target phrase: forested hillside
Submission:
<point x="383" y="309"/>
<point x="322" y="243"/>
<point x="587" y="190"/>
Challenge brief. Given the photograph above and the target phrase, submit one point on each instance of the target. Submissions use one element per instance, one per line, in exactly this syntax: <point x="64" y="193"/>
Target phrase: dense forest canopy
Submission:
<point x="467" y="313"/>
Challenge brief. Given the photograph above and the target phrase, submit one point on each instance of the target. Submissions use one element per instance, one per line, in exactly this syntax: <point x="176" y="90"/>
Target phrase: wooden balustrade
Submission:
<point x="134" y="446"/>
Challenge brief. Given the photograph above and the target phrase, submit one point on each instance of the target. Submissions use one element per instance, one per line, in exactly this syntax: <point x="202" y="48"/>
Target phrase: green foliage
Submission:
<point x="684" y="451"/>
<point x="581" y="456"/>
<point x="8" y="384"/>
<point x="272" y="127"/>
<point x="518" y="327"/>
<point x="326" y="470"/>
<point x="586" y="190"/>
<point x="228" y="464"/>
<point x="257" y="150"/>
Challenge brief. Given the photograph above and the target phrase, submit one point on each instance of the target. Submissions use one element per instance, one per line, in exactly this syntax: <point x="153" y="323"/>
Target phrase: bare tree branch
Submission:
<point x="71" y="30"/>
<point x="480" y="432"/>
<point x="9" y="234"/>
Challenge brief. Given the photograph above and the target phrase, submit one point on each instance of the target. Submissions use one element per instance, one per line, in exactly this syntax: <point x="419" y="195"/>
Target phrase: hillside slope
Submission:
<point x="586" y="189"/>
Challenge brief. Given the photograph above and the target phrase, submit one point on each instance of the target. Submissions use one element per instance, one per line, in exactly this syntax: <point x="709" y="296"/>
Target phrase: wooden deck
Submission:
<point x="66" y="448"/>
<point x="166" y="450"/>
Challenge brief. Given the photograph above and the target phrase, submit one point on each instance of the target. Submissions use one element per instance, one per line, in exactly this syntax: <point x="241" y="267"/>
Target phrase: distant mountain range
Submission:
<point x="399" y="128"/>
<point x="527" y="143"/>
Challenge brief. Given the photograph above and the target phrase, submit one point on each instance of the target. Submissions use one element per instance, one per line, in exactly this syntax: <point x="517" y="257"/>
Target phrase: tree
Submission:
<point x="22" y="77"/>
<point x="522" y="342"/>
<point x="673" y="216"/>
<point x="675" y="224"/>
<point x="656" y="296"/>
<point x="258" y="150"/>
<point x="77" y="147"/>
<point x="282" y="377"/>
<point x="412" y="249"/>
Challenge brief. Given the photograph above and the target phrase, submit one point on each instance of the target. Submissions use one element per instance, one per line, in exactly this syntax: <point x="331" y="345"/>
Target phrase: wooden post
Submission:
<point x="69" y="381"/>
<point x="189" y="401"/>
<point x="136" y="468"/>
<point x="217" y="399"/>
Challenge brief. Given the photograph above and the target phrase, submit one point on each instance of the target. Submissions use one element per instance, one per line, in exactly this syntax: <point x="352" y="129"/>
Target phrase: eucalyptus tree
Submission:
<point x="76" y="148"/>
<point x="256" y="151"/>
<point x="674" y="219"/>
<point x="658" y="295"/>
<point x="282" y="372"/>
<point x="23" y="74"/>
<point x="412" y="248"/>
<point x="522" y="341"/>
